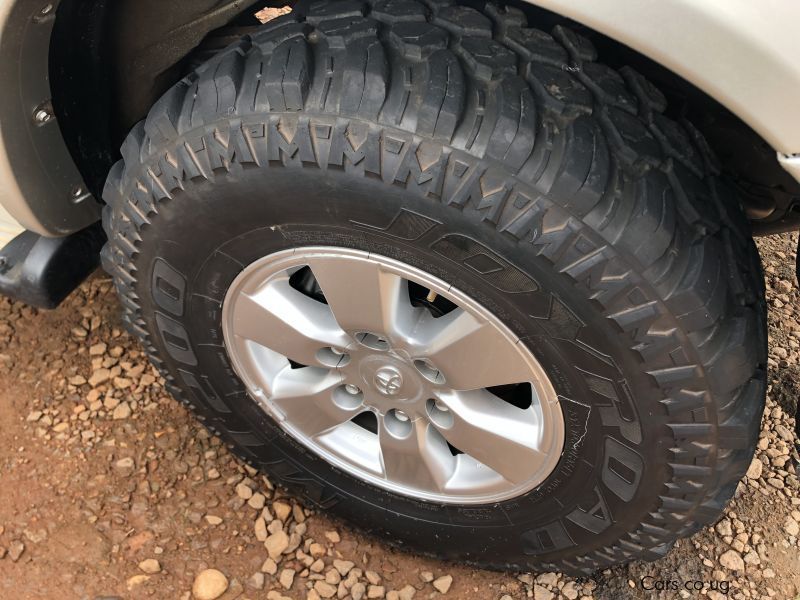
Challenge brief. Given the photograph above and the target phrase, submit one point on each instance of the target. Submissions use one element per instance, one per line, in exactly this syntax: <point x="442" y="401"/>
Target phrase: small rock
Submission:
<point x="136" y="580"/>
<point x="442" y="584"/>
<point x="123" y="411"/>
<point x="244" y="491"/>
<point x="270" y="567"/>
<point x="260" y="528"/>
<point x="791" y="526"/>
<point x="324" y="589"/>
<point x="426" y="576"/>
<point x="276" y="544"/>
<point x="98" y="349"/>
<point x="286" y="578"/>
<point x="124" y="466"/>
<point x="751" y="558"/>
<point x="318" y="566"/>
<point x="358" y="591"/>
<point x="209" y="585"/>
<point x="333" y="537"/>
<point x="15" y="550"/>
<point x="542" y="593"/>
<point x="333" y="576"/>
<point x="755" y="469"/>
<point x="407" y="592"/>
<point x="547" y="579"/>
<point x="150" y="566"/>
<point x="37" y="536"/>
<point x="99" y="377"/>
<point x="257" y="501"/>
<point x="343" y="566"/>
<point x="256" y="581"/>
<point x="282" y="510"/>
<point x="213" y="520"/>
<point x="776" y="483"/>
<point x="570" y="590"/>
<point x="724" y="527"/>
<point x="732" y="560"/>
<point x="298" y="514"/>
<point x="122" y="383"/>
<point x="376" y="591"/>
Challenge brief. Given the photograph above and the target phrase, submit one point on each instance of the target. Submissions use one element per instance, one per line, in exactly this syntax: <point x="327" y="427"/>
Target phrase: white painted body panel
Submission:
<point x="743" y="53"/>
<point x="9" y="228"/>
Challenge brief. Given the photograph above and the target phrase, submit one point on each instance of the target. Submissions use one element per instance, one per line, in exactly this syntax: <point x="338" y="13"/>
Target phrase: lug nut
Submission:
<point x="336" y="351"/>
<point x="401" y="416"/>
<point x="42" y="116"/>
<point x="351" y="389"/>
<point x="440" y="406"/>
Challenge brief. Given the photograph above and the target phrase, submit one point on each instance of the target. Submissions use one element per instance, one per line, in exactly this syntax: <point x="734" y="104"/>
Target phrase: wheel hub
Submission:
<point x="388" y="381"/>
<point x="393" y="393"/>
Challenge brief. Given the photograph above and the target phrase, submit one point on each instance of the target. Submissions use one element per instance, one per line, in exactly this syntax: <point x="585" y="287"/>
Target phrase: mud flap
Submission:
<point x="43" y="271"/>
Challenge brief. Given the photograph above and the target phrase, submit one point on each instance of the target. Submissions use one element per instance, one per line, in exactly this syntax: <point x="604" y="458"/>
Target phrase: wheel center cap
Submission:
<point x="388" y="381"/>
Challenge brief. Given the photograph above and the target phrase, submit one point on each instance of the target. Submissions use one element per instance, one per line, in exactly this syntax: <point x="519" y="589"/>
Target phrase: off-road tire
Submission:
<point x="510" y="163"/>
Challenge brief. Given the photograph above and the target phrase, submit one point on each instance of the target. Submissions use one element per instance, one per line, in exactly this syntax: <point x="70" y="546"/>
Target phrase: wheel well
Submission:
<point x="111" y="59"/>
<point x="770" y="195"/>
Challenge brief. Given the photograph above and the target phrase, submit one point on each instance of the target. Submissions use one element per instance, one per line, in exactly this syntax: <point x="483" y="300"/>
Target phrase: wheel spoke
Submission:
<point x="306" y="398"/>
<point x="420" y="459"/>
<point x="364" y="296"/>
<point x="288" y="322"/>
<point x="501" y="436"/>
<point x="471" y="354"/>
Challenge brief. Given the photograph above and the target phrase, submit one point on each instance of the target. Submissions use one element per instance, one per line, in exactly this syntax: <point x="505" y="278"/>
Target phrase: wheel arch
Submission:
<point x="729" y="67"/>
<point x="742" y="54"/>
<point x="90" y="69"/>
<point x="110" y="60"/>
<point x="40" y="187"/>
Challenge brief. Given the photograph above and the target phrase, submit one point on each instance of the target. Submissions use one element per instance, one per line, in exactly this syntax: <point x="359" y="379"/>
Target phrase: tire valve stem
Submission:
<point x="431" y="297"/>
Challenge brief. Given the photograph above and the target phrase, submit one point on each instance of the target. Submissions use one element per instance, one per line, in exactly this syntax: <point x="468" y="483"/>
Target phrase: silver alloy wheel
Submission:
<point x="319" y="366"/>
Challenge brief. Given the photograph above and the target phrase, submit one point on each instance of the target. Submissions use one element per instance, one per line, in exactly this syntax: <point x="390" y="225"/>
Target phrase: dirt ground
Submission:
<point x="110" y="489"/>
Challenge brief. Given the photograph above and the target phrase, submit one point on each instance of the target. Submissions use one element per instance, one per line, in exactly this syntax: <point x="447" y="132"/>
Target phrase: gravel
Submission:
<point x="112" y="489"/>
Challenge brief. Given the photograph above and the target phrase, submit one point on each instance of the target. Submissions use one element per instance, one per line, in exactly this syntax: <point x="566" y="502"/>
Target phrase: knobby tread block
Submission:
<point x="575" y="153"/>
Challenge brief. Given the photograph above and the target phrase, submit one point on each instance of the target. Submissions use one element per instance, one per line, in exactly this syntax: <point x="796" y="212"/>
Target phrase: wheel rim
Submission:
<point x="392" y="375"/>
